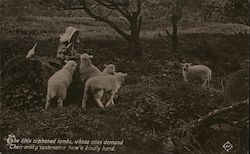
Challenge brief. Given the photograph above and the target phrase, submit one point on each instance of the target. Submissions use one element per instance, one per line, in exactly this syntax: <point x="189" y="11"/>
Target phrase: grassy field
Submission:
<point x="153" y="101"/>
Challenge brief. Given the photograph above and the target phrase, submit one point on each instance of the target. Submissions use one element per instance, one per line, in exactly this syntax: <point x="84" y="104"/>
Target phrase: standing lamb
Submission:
<point x="197" y="71"/>
<point x="109" y="69"/>
<point x="59" y="82"/>
<point x="98" y="85"/>
<point x="87" y="69"/>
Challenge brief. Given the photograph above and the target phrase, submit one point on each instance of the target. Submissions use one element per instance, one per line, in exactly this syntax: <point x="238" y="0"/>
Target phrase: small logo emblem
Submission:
<point x="227" y="146"/>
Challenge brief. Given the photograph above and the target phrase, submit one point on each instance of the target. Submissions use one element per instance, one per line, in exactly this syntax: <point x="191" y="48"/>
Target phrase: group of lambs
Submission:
<point x="97" y="83"/>
<point x="105" y="83"/>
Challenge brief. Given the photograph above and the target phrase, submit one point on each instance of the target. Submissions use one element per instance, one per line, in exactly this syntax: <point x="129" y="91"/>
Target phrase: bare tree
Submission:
<point x="129" y="12"/>
<point x="172" y="11"/>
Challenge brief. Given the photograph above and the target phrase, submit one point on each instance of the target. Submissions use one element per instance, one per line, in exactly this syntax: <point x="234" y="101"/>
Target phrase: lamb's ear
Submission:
<point x="125" y="74"/>
<point x="91" y="56"/>
<point x="182" y="64"/>
<point x="189" y="64"/>
<point x="60" y="35"/>
<point x="105" y="65"/>
<point x="66" y="61"/>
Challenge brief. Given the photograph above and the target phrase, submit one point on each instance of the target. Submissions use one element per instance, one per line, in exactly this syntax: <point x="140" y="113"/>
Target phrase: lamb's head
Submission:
<point x="85" y="58"/>
<point x="121" y="76"/>
<point x="110" y="68"/>
<point x="185" y="66"/>
<point x="70" y="65"/>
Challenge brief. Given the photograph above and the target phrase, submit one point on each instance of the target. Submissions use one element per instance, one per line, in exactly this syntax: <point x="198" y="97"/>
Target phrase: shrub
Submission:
<point x="25" y="82"/>
<point x="190" y="100"/>
<point x="237" y="85"/>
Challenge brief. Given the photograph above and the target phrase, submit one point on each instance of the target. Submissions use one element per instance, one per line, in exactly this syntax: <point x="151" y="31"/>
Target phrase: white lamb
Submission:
<point x="197" y="71"/>
<point x="99" y="85"/>
<point x="109" y="69"/>
<point x="59" y="82"/>
<point x="87" y="69"/>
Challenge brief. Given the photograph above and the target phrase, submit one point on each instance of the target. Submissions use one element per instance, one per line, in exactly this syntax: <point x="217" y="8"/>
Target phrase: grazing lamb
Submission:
<point x="197" y="71"/>
<point x="59" y="82"/>
<point x="98" y="85"/>
<point x="87" y="69"/>
<point x="109" y="69"/>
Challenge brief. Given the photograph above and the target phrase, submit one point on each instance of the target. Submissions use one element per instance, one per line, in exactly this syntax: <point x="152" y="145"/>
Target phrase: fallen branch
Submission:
<point x="215" y="113"/>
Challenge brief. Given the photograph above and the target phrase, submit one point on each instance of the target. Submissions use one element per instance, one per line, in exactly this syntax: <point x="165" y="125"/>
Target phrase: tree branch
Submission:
<point x="114" y="5"/>
<point x="138" y="10"/>
<point x="106" y="20"/>
<point x="96" y="5"/>
<point x="125" y="22"/>
<point x="108" y="14"/>
<point x="168" y="33"/>
<point x="124" y="12"/>
<point x="165" y="40"/>
<point x="74" y="8"/>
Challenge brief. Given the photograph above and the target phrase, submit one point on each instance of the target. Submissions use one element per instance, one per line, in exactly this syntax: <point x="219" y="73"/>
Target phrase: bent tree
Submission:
<point x="113" y="12"/>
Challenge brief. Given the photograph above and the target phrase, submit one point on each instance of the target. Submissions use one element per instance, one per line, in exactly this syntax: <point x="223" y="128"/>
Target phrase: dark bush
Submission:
<point x="237" y="85"/>
<point x="25" y="82"/>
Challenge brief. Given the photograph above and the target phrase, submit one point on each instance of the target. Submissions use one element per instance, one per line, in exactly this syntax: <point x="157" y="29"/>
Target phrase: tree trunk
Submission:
<point x="134" y="43"/>
<point x="174" y="35"/>
<point x="134" y="46"/>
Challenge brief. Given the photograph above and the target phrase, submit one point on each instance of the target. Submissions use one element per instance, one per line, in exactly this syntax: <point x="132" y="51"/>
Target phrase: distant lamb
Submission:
<point x="87" y="69"/>
<point x="59" y="82"/>
<point x="98" y="85"/>
<point x="109" y="69"/>
<point x="197" y="71"/>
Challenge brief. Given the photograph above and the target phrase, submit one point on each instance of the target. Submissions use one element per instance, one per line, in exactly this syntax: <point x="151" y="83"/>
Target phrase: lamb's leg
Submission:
<point x="48" y="101"/>
<point x="112" y="102"/>
<point x="61" y="96"/>
<point x="204" y="84"/>
<point x="85" y="98"/>
<point x="98" y="96"/>
<point x="111" y="99"/>
<point x="60" y="103"/>
<point x="107" y="96"/>
<point x="208" y="83"/>
<point x="185" y="77"/>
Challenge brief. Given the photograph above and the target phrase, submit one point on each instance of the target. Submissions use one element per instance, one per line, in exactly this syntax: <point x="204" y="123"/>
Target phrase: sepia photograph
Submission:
<point x="124" y="76"/>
